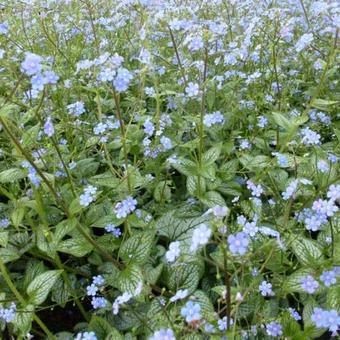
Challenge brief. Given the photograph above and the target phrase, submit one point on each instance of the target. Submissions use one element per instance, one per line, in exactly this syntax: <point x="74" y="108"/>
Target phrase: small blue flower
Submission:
<point x="48" y="127"/>
<point x="163" y="334"/>
<point x="76" y="109"/>
<point x="166" y="143"/>
<point x="238" y="243"/>
<point x="328" y="278"/>
<point x="149" y="128"/>
<point x="191" y="311"/>
<point x="91" y="290"/>
<point x="295" y="315"/>
<point x="274" y="329"/>
<point x="125" y="207"/>
<point x="122" y="80"/>
<point x="31" y="64"/>
<point x="8" y="314"/>
<point x="98" y="302"/>
<point x="4" y="223"/>
<point x="98" y="280"/>
<point x="192" y="89"/>
<point x="86" y="336"/>
<point x="309" y="285"/>
<point x="266" y="289"/>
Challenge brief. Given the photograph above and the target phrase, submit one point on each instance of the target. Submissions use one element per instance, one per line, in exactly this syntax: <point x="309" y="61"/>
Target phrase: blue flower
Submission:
<point x="91" y="290"/>
<point x="322" y="166"/>
<point x="86" y="336"/>
<point x="8" y="314"/>
<point x="192" y="89"/>
<point x="262" y="121"/>
<point x="166" y="143"/>
<point x="31" y="64"/>
<point x="98" y="302"/>
<point x="48" y="127"/>
<point x="98" y="280"/>
<point x="125" y="207"/>
<point x="266" y="289"/>
<point x="149" y="128"/>
<point x="238" y="243"/>
<point x="4" y="223"/>
<point x="333" y="192"/>
<point x="309" y="285"/>
<point x="309" y="137"/>
<point x="223" y="324"/>
<point x="163" y="334"/>
<point x="111" y="228"/>
<point x="328" y="278"/>
<point x="76" y="109"/>
<point x="326" y="319"/>
<point x="50" y="77"/>
<point x="213" y="118"/>
<point x="191" y="311"/>
<point x="122" y="80"/>
<point x="282" y="160"/>
<point x="304" y="41"/>
<point x="274" y="329"/>
<point x="295" y="315"/>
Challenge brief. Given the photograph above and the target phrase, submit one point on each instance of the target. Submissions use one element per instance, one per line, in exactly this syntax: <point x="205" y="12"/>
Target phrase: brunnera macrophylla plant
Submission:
<point x="169" y="169"/>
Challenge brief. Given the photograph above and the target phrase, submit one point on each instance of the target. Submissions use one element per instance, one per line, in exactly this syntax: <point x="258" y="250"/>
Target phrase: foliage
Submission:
<point x="169" y="169"/>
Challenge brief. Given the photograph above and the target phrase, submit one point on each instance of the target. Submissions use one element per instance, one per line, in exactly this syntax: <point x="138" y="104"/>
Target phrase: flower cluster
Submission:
<point x="326" y="319"/>
<point x="92" y="290"/>
<point x="32" y="67"/>
<point x="88" y="196"/>
<point x="8" y="314"/>
<point x="125" y="207"/>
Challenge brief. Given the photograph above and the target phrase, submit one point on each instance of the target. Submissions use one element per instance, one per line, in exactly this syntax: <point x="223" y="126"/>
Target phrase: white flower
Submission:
<point x="200" y="236"/>
<point x="173" y="253"/>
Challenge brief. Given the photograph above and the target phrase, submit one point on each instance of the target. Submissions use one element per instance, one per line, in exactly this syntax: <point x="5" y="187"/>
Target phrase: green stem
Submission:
<point x="123" y="138"/>
<point x="57" y="197"/>
<point x="20" y="298"/>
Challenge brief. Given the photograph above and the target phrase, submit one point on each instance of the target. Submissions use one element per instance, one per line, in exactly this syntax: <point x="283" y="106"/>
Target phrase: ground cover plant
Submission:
<point x="169" y="169"/>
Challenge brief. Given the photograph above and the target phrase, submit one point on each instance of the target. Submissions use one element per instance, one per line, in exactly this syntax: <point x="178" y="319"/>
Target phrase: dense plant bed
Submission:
<point x="169" y="169"/>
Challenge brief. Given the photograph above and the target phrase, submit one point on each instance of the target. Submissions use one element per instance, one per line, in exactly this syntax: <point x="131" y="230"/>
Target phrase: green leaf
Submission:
<point x="11" y="175"/>
<point x="76" y="246"/>
<point x="333" y="297"/>
<point x="185" y="276"/>
<point x="292" y="283"/>
<point x="103" y="329"/>
<point x="185" y="167"/>
<point x="3" y="238"/>
<point x="162" y="191"/>
<point x="213" y="198"/>
<point x="33" y="269"/>
<point x="39" y="288"/>
<point x="106" y="180"/>
<point x="61" y="290"/>
<point x="9" y="254"/>
<point x="310" y="330"/>
<point x="177" y="227"/>
<point x="324" y="105"/>
<point x="23" y="319"/>
<point x="255" y="163"/>
<point x="210" y="156"/>
<point x="75" y="206"/>
<point x="152" y="274"/>
<point x="17" y="215"/>
<point x="307" y="251"/>
<point x="129" y="278"/>
<point x="282" y="121"/>
<point x="203" y="300"/>
<point x="137" y="248"/>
